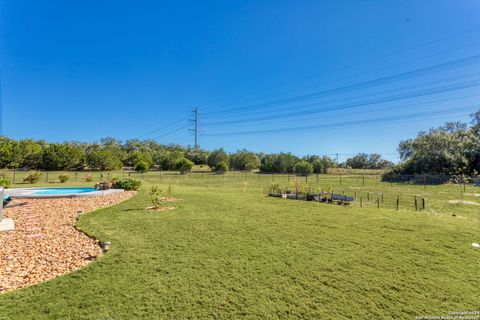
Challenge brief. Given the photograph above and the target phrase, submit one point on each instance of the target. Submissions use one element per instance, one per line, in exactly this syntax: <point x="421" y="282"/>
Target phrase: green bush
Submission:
<point x="183" y="165"/>
<point x="141" y="166"/>
<point x="127" y="184"/>
<point x="221" y="167"/>
<point x="63" y="178"/>
<point x="33" y="177"/>
<point x="4" y="181"/>
<point x="303" y="168"/>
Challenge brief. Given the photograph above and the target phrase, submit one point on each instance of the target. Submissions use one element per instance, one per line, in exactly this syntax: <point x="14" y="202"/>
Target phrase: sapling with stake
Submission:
<point x="155" y="197"/>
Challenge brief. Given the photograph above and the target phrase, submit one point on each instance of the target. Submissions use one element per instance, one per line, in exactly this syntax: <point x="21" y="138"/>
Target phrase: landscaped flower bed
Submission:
<point x="45" y="243"/>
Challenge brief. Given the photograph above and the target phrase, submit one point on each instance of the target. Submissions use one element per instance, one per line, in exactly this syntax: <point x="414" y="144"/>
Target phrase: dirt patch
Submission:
<point x="45" y="244"/>
<point x="171" y="199"/>
<point x="464" y="202"/>
<point x="473" y="194"/>
<point x="159" y="209"/>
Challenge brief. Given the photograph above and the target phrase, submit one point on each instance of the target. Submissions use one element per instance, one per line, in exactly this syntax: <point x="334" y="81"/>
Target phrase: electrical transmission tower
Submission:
<point x="196" y="123"/>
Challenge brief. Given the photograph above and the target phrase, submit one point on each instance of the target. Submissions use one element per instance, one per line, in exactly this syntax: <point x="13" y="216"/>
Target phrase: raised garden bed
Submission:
<point x="325" y="197"/>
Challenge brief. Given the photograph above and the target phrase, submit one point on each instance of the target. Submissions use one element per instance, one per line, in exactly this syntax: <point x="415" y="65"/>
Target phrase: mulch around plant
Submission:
<point x="45" y="244"/>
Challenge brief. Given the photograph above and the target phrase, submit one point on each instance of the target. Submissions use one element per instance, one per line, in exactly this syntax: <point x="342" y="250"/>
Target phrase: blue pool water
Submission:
<point x="61" y="191"/>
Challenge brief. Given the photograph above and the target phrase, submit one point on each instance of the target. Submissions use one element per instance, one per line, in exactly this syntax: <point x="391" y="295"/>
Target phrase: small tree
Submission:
<point x="183" y="165"/>
<point x="141" y="166"/>
<point x="303" y="168"/>
<point x="216" y="157"/>
<point x="221" y="167"/>
<point x="317" y="166"/>
<point x="155" y="196"/>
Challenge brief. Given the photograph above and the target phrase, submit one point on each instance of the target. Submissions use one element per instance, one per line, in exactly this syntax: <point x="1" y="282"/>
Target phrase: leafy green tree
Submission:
<point x="221" y="167"/>
<point x="303" y="168"/>
<point x="197" y="155"/>
<point x="184" y="165"/>
<point x="244" y="160"/>
<point x="451" y="149"/>
<point x="279" y="162"/>
<point x="169" y="159"/>
<point x="218" y="156"/>
<point x="62" y="157"/>
<point x="103" y="160"/>
<point x="141" y="166"/>
<point x="317" y="166"/>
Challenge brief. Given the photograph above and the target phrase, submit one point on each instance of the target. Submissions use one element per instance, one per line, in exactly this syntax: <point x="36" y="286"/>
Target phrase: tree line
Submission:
<point x="143" y="155"/>
<point x="452" y="149"/>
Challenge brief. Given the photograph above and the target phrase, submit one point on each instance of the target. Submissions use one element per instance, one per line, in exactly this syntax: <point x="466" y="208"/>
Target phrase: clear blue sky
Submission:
<point x="82" y="70"/>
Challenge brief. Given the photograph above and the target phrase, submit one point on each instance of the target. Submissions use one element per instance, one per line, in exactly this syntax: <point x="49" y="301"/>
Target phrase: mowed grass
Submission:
<point x="229" y="252"/>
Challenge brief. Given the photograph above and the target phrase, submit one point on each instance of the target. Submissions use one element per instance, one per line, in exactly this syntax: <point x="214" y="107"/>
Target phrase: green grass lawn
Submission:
<point x="229" y="252"/>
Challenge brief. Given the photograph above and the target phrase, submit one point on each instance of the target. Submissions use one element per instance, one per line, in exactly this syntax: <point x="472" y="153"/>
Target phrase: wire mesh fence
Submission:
<point x="369" y="190"/>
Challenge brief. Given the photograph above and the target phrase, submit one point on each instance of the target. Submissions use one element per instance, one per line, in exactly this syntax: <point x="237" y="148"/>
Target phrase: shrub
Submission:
<point x="303" y="168"/>
<point x="4" y="181"/>
<point x="221" y="167"/>
<point x="274" y="188"/>
<point x="183" y="165"/>
<point x="155" y="196"/>
<point x="88" y="177"/>
<point x="141" y="166"/>
<point x="63" y="178"/>
<point x="127" y="184"/>
<point x="33" y="177"/>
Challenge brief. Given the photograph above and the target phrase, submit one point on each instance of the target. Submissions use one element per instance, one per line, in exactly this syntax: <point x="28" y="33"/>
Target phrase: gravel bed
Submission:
<point x="45" y="244"/>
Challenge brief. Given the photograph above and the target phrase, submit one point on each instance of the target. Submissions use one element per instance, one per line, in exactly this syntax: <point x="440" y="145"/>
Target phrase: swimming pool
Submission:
<point x="63" y="191"/>
<point x="48" y="192"/>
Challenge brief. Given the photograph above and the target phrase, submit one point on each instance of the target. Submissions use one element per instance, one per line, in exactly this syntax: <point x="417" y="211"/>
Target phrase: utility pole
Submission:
<point x="196" y="123"/>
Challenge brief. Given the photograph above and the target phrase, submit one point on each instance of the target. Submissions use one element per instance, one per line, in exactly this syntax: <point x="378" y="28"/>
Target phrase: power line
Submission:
<point x="162" y="128"/>
<point x="170" y="132"/>
<point x="356" y="104"/>
<point x="353" y="123"/>
<point x="363" y="85"/>
<point x="380" y="57"/>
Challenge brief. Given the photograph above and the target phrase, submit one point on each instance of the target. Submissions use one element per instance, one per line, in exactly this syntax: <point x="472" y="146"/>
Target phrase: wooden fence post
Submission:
<point x="361" y="202"/>
<point x="423" y="203"/>
<point x="416" y="203"/>
<point x="398" y="202"/>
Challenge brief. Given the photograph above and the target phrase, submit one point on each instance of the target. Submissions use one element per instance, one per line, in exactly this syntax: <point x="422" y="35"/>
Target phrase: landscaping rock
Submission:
<point x="45" y="243"/>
